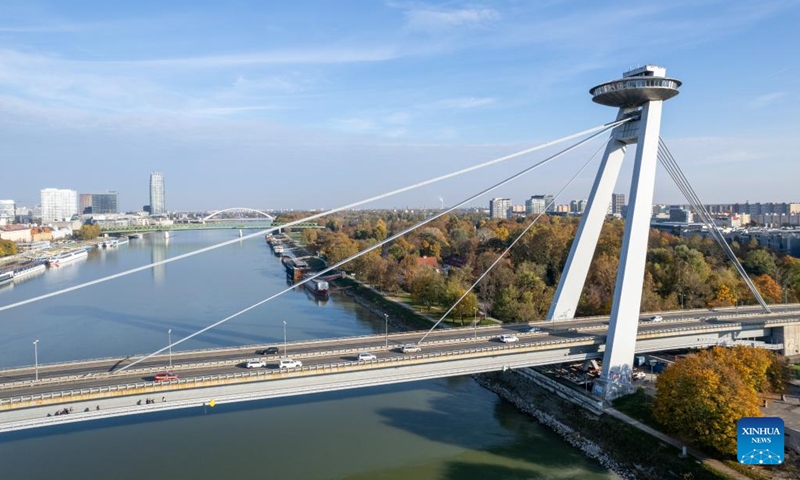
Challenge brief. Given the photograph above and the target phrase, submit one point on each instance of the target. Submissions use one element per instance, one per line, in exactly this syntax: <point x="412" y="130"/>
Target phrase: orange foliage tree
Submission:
<point x="768" y="288"/>
<point x="701" y="397"/>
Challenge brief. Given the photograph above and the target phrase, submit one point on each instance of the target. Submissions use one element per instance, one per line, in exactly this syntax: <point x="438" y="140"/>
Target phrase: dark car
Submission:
<point x="268" y="351"/>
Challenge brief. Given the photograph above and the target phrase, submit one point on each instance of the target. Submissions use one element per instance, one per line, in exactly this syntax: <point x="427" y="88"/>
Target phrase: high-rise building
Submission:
<point x="617" y="203"/>
<point x="7" y="211"/>
<point x="539" y="204"/>
<point x="104" y="202"/>
<point x="58" y="204"/>
<point x="680" y="214"/>
<point x="500" y="208"/>
<point x="157" y="196"/>
<point x="577" y="206"/>
<point x="84" y="203"/>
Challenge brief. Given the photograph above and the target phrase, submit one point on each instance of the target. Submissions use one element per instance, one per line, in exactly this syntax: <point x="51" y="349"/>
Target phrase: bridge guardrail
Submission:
<point x="270" y="372"/>
<point x="231" y="362"/>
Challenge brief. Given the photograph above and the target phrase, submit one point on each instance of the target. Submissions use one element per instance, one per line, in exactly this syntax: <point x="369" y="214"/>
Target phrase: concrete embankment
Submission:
<point x="530" y="398"/>
<point x="616" y="445"/>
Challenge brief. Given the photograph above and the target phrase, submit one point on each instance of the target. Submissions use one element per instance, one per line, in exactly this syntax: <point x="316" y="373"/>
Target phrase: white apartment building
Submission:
<point x="58" y="204"/>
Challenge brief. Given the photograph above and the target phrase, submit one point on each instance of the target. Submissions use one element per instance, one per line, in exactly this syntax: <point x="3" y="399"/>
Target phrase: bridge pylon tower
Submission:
<point x="638" y="95"/>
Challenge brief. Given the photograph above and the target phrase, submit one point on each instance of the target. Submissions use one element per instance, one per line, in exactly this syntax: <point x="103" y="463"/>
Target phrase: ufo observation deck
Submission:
<point x="634" y="91"/>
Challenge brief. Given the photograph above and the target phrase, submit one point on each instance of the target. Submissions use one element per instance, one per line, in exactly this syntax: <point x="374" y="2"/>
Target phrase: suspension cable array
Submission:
<point x="666" y="158"/>
<point x="373" y="247"/>
<point x="594" y="130"/>
<point x="511" y="245"/>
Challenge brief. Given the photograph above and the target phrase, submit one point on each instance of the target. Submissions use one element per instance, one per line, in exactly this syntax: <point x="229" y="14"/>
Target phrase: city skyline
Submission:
<point x="231" y="103"/>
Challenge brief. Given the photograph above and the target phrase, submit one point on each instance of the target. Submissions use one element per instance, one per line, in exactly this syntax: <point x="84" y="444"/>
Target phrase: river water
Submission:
<point x="438" y="429"/>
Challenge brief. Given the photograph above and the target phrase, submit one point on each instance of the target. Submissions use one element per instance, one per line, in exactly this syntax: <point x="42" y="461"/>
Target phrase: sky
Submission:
<point x="300" y="105"/>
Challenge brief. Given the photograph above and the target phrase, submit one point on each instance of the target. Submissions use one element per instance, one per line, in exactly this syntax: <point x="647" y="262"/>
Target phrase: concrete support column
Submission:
<point x="789" y="336"/>
<point x="623" y="327"/>
<point x="580" y="256"/>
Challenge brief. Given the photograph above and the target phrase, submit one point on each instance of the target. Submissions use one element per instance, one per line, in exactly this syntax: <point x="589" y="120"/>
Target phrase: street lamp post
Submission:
<point x="36" y="357"/>
<point x="475" y="324"/>
<point x="652" y="364"/>
<point x="386" y="328"/>
<point x="169" y="342"/>
<point x="284" y="338"/>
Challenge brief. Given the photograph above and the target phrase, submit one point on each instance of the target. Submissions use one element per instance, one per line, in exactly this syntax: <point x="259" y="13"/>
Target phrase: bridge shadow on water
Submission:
<point x="514" y="446"/>
<point x="192" y="412"/>
<point x="503" y="444"/>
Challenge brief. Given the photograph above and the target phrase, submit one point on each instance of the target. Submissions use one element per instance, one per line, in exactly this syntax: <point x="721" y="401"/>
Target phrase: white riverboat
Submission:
<point x="67" y="257"/>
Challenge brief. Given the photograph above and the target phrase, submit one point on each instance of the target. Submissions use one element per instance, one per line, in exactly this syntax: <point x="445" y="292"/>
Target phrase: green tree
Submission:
<point x="465" y="308"/>
<point x="427" y="288"/>
<point x="89" y="232"/>
<point x="759" y="262"/>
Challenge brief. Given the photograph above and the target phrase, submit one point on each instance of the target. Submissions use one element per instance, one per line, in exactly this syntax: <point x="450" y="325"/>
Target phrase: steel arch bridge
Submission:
<point x="239" y="209"/>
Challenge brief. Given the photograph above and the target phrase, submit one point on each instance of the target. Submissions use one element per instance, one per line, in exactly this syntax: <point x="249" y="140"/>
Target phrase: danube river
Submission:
<point x="439" y="429"/>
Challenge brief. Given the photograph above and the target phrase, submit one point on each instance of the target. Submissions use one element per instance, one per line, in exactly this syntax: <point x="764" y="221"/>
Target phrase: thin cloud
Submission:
<point x="233" y="110"/>
<point x="436" y="20"/>
<point x="463" y="103"/>
<point x="762" y="101"/>
<point x="65" y="28"/>
<point x="310" y="56"/>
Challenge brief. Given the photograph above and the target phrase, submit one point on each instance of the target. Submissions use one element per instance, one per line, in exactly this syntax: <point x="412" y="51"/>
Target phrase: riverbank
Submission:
<point x="401" y="317"/>
<point x="622" y="448"/>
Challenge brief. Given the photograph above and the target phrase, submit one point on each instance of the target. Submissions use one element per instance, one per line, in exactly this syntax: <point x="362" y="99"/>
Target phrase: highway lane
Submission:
<point x="536" y="339"/>
<point x="376" y="343"/>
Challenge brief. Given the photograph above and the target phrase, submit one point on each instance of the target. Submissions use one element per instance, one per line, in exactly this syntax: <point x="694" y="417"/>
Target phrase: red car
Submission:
<point x="165" y="377"/>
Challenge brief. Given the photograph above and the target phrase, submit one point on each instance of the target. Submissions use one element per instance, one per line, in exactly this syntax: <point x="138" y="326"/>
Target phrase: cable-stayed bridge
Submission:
<point x="209" y="377"/>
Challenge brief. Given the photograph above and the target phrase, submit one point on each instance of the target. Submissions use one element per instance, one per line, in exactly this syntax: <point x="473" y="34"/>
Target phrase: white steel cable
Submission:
<point x="519" y="237"/>
<point x="669" y="162"/>
<point x="367" y="250"/>
<point x="423" y="183"/>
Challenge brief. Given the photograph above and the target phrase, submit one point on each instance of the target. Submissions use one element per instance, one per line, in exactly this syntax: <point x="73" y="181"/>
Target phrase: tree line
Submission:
<point x="681" y="272"/>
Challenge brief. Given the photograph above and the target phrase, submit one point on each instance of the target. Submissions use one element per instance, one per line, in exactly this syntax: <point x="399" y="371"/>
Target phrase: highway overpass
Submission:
<point x="217" y="376"/>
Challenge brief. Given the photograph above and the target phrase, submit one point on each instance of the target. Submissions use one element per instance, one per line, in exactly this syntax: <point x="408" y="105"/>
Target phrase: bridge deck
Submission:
<point x="331" y="365"/>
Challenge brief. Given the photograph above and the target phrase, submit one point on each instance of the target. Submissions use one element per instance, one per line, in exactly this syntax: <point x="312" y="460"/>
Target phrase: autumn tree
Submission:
<point x="466" y="307"/>
<point x="7" y="247"/>
<point x="768" y="288"/>
<point x="89" y="232"/>
<point x="701" y="397"/>
<point x="427" y="288"/>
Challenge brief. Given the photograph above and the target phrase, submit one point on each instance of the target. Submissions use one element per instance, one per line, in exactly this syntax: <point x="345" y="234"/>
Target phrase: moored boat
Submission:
<point x="317" y="287"/>
<point x="67" y="257"/>
<point x="28" y="269"/>
<point x="6" y="277"/>
<point x="294" y="267"/>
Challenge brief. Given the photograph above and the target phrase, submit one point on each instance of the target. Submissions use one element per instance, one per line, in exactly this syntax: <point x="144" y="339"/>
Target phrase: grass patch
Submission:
<point x="750" y="471"/>
<point x="639" y="406"/>
<point x="398" y="314"/>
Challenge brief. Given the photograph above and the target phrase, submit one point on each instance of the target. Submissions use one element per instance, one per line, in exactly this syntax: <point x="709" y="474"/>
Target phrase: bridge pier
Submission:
<point x="789" y="336"/>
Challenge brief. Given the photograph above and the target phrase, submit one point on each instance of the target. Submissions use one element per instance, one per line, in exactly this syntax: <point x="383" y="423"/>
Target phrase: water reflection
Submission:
<point x="159" y="243"/>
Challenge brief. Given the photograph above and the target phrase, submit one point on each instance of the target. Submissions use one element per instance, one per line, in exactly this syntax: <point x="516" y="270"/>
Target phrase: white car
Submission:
<point x="289" y="363"/>
<point x="366" y="357"/>
<point x="656" y="318"/>
<point x="255" y="364"/>
<point x="534" y="329"/>
<point x="411" y="348"/>
<point x="508" y="338"/>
